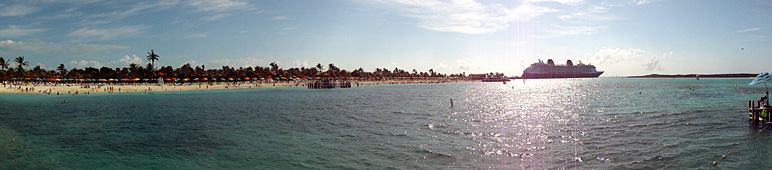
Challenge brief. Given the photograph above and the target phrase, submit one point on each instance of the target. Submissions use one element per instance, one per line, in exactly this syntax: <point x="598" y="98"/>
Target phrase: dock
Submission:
<point x="755" y="115"/>
<point x="328" y="84"/>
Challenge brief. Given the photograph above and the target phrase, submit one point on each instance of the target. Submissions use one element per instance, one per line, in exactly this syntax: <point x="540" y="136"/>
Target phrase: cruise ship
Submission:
<point x="543" y="70"/>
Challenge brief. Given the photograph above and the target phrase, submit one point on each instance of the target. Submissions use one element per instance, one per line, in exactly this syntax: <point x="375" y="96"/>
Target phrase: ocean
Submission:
<point x="601" y="123"/>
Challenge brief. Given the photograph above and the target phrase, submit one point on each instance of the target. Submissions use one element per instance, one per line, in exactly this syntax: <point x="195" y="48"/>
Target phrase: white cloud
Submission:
<point x="128" y="60"/>
<point x="10" y="47"/>
<point x="143" y="7"/>
<point x="746" y="30"/>
<point x="610" y="56"/>
<point x="218" y="9"/>
<point x="108" y="34"/>
<point x="198" y="35"/>
<point x="441" y="66"/>
<point x="84" y="64"/>
<point x="9" y="42"/>
<point x="639" y="2"/>
<point x="466" y="66"/>
<point x="300" y="63"/>
<point x="653" y="63"/>
<point x="558" y="31"/>
<point x="16" y="10"/>
<point x="290" y="28"/>
<point x="14" y="31"/>
<point x="236" y="63"/>
<point x="565" y="2"/>
<point x="468" y="16"/>
<point x="594" y="12"/>
<point x="122" y="62"/>
<point x="219" y="5"/>
<point x="280" y="18"/>
<point x="216" y="17"/>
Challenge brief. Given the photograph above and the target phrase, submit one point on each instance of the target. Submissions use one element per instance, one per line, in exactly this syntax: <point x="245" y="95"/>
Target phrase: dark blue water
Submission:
<point x="604" y="123"/>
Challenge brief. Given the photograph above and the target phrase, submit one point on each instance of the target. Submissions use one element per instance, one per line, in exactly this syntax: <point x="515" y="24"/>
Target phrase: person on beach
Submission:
<point x="764" y="100"/>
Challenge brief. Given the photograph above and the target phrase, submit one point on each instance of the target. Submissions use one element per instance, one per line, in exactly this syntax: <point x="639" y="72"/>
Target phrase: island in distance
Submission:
<point x="734" y="75"/>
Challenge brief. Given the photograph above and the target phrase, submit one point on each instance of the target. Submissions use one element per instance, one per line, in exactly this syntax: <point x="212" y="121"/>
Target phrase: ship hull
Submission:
<point x="560" y="75"/>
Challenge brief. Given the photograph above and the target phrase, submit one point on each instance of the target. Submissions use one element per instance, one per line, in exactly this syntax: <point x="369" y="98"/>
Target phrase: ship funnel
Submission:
<point x="569" y="63"/>
<point x="550" y="62"/>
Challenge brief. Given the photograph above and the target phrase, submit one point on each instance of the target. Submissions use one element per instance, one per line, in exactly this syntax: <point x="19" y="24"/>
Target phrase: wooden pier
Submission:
<point x="756" y="113"/>
<point x="328" y="84"/>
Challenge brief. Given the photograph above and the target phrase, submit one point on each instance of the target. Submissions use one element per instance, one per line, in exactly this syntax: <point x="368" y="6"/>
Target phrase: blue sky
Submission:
<point x="624" y="37"/>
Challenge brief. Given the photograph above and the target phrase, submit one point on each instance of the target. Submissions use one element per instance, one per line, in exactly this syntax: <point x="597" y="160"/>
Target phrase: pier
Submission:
<point x="758" y="113"/>
<point x="328" y="84"/>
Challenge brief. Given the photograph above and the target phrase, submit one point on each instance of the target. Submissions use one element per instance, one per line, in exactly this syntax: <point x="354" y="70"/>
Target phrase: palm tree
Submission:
<point x="62" y="70"/>
<point x="4" y="63"/>
<point x="22" y="63"/>
<point x="152" y="57"/>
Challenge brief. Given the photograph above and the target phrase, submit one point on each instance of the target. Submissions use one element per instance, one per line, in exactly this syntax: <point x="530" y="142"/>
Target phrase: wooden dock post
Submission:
<point x="754" y="113"/>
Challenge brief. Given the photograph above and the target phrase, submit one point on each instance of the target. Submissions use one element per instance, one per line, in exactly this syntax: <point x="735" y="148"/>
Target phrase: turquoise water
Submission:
<point x="604" y="123"/>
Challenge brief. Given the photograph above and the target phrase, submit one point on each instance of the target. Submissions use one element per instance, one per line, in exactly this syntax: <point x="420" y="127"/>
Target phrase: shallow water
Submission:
<point x="605" y="123"/>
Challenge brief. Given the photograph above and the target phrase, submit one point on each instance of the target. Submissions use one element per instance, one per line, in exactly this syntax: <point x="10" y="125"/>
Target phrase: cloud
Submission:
<point x="17" y="10"/>
<point x="640" y="2"/>
<point x="467" y="16"/>
<point x="466" y="66"/>
<point x="216" y="17"/>
<point x="746" y="30"/>
<point x="198" y="35"/>
<point x="10" y="47"/>
<point x="84" y="64"/>
<point x="594" y="13"/>
<point x="128" y="60"/>
<point x="123" y="62"/>
<point x="143" y="7"/>
<point x="218" y="8"/>
<point x="565" y="2"/>
<point x="280" y="18"/>
<point x="610" y="56"/>
<point x="652" y="63"/>
<point x="218" y="5"/>
<point x="559" y="31"/>
<point x="14" y="31"/>
<point x="239" y="62"/>
<point x="108" y="34"/>
<point x="300" y="63"/>
<point x="441" y="66"/>
<point x="290" y="28"/>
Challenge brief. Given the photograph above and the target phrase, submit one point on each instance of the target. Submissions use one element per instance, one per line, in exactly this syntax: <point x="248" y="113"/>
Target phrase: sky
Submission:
<point x="620" y="37"/>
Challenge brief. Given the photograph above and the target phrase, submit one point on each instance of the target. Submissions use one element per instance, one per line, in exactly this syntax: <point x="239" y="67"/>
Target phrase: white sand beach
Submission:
<point x="128" y="87"/>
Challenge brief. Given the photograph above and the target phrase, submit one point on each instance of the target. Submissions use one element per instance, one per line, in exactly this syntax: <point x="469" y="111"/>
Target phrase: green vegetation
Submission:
<point x="188" y="71"/>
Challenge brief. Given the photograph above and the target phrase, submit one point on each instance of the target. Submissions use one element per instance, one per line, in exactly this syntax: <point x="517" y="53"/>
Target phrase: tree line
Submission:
<point x="188" y="71"/>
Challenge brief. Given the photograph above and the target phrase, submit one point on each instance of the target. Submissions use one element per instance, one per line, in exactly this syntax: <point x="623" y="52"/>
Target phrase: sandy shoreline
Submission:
<point x="88" y="88"/>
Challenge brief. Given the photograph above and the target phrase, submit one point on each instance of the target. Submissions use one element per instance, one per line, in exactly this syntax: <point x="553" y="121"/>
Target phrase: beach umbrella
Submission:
<point x="761" y="78"/>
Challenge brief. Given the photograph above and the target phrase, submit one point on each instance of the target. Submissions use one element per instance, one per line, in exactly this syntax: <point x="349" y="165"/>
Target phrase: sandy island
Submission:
<point x="51" y="88"/>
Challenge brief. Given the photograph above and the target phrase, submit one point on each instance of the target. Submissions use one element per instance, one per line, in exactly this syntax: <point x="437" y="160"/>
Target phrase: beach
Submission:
<point x="58" y="88"/>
